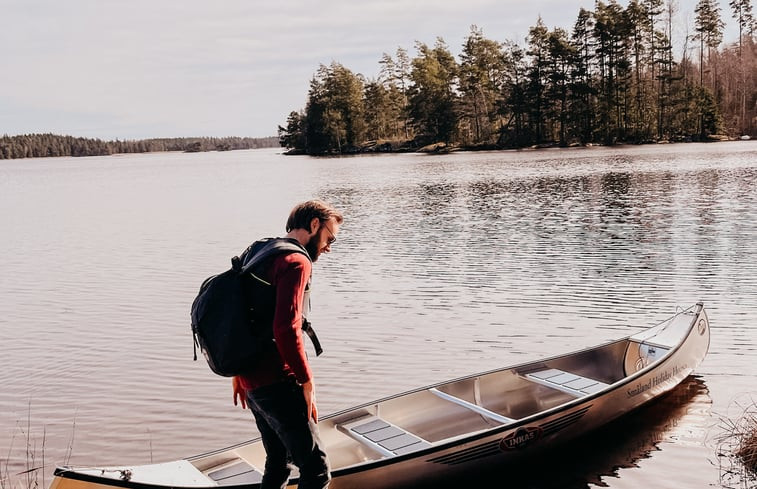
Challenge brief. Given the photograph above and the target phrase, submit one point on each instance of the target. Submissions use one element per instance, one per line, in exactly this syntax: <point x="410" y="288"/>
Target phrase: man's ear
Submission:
<point x="315" y="224"/>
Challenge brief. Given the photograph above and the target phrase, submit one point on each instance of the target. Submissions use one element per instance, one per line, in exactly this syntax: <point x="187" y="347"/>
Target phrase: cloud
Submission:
<point x="139" y="68"/>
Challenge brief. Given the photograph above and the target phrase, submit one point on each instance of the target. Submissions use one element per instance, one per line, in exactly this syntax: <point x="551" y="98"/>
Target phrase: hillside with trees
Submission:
<point x="614" y="78"/>
<point x="48" y="145"/>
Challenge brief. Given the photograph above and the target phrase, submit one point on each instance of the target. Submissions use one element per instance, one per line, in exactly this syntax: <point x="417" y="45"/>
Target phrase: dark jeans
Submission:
<point x="288" y="436"/>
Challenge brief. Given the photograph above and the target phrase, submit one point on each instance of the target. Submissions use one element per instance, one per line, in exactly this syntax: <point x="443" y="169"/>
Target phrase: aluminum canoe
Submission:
<point x="460" y="426"/>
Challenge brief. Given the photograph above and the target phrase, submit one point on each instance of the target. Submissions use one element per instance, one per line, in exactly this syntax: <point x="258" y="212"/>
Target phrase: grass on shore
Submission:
<point x="34" y="464"/>
<point x="747" y="451"/>
<point x="32" y="476"/>
<point x="737" y="447"/>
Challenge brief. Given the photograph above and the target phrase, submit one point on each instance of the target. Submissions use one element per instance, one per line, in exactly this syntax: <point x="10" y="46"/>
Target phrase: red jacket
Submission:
<point x="289" y="274"/>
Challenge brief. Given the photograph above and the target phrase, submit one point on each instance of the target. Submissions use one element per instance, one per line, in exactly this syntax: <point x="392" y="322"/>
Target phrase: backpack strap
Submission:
<point x="265" y="249"/>
<point x="270" y="247"/>
<point x="308" y="329"/>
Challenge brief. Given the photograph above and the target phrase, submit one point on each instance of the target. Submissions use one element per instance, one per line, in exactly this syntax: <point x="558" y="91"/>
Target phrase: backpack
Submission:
<point x="222" y="324"/>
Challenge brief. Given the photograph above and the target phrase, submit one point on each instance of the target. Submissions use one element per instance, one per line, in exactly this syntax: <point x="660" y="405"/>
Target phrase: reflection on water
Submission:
<point x="446" y="265"/>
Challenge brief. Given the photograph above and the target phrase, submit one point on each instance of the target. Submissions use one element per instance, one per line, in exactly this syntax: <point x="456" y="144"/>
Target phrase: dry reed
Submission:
<point x="32" y="476"/>
<point x="747" y="451"/>
<point x="737" y="447"/>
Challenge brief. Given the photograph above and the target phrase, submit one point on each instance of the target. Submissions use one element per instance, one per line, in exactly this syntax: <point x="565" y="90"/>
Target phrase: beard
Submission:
<point x="312" y="247"/>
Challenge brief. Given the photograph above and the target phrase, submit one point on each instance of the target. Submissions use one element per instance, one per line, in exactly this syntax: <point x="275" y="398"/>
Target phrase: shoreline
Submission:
<point x="399" y="147"/>
<point x="389" y="147"/>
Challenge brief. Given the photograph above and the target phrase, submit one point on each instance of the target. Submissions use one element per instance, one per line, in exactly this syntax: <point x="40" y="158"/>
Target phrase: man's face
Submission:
<point x="323" y="238"/>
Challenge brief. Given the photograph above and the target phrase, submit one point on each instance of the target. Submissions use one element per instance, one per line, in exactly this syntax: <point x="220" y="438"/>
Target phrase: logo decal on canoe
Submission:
<point x="702" y="326"/>
<point x="521" y="438"/>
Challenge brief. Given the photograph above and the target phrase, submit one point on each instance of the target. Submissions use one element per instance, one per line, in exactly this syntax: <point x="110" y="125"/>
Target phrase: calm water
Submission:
<point x="446" y="265"/>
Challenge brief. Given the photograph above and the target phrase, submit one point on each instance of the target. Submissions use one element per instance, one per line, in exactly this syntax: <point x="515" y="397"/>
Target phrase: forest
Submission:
<point x="44" y="145"/>
<point x="614" y="78"/>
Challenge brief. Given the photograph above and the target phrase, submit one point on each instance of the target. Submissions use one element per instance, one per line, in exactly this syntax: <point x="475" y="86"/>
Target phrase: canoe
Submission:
<point x="457" y="427"/>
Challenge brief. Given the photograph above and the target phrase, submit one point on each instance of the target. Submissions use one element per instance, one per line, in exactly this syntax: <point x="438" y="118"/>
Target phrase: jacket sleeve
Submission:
<point x="291" y="276"/>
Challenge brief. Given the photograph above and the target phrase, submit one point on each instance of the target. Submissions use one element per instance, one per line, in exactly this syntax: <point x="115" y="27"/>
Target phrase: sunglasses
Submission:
<point x="330" y="240"/>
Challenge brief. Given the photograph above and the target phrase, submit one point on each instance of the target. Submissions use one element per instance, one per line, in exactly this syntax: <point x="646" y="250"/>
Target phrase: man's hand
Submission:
<point x="309" y="391"/>
<point x="238" y="390"/>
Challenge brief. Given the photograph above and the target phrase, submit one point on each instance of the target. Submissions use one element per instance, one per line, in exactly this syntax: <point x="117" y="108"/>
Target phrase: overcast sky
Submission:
<point x="134" y="69"/>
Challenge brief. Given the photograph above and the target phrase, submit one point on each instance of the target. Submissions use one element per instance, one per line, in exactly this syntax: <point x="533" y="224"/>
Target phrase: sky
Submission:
<point x="137" y="69"/>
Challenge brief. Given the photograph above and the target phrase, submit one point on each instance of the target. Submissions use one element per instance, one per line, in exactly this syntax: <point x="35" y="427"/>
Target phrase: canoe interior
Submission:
<point x="458" y="409"/>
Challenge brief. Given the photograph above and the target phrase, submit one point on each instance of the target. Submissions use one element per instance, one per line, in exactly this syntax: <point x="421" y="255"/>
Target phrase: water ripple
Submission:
<point x="446" y="265"/>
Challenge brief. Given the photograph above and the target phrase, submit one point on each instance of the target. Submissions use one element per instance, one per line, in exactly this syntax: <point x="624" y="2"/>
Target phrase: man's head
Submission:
<point x="315" y="224"/>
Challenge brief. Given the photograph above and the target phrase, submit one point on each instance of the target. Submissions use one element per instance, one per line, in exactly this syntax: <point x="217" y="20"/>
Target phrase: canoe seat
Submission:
<point x="382" y="436"/>
<point x="567" y="382"/>
<point x="236" y="473"/>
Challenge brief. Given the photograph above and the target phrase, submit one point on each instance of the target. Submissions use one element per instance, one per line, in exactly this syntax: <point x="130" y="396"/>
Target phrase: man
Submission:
<point x="280" y="391"/>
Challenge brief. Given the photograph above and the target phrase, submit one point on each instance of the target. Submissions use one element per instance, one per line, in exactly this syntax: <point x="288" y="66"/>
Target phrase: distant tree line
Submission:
<point x="613" y="78"/>
<point x="44" y="145"/>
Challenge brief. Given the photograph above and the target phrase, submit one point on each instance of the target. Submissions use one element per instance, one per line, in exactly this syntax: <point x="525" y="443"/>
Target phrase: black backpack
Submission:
<point x="221" y="317"/>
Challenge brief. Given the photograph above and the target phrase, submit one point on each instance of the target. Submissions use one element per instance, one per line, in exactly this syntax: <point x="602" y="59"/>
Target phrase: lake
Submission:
<point x="445" y="265"/>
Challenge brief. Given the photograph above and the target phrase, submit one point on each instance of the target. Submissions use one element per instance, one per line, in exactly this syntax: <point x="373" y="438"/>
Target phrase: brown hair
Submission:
<point x="304" y="212"/>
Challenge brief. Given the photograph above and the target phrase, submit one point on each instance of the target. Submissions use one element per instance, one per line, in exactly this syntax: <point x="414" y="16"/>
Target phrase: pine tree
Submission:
<point x="481" y="80"/>
<point x="538" y="51"/>
<point x="582" y="90"/>
<point x="742" y="12"/>
<point x="433" y="97"/>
